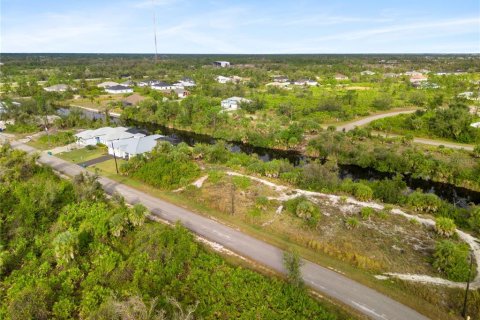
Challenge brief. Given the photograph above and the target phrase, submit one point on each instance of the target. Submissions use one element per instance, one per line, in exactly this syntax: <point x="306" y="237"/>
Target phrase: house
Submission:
<point x="105" y="135"/>
<point x="133" y="100"/>
<point x="147" y="83"/>
<point x="107" y="84"/>
<point x="128" y="83"/>
<point x="118" y="89"/>
<point x="283" y="85"/>
<point x="221" y="64"/>
<point x="186" y="82"/>
<point x="413" y="73"/>
<point x="58" y="88"/>
<point x="131" y="147"/>
<point x="465" y="95"/>
<point x="281" y="79"/>
<point x="340" y="77"/>
<point x="416" y="78"/>
<point x="391" y="75"/>
<point x="222" y="79"/>
<point x="305" y="82"/>
<point x="181" y="93"/>
<point x="162" y="86"/>
<point x="233" y="103"/>
<point x="367" y="73"/>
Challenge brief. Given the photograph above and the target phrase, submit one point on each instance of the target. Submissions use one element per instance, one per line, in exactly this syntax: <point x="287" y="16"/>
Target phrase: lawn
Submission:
<point x="81" y="155"/>
<point x="49" y="141"/>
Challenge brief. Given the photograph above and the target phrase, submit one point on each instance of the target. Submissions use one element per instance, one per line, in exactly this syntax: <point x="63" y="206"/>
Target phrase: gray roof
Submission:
<point x="118" y="87"/>
<point x="137" y="145"/>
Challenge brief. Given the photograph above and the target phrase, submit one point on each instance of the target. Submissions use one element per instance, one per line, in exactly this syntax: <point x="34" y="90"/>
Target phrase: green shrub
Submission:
<point x="351" y="223"/>
<point x="241" y="182"/>
<point x="424" y="202"/>
<point x="445" y="226"/>
<point x="366" y="212"/>
<point x="451" y="260"/>
<point x="363" y="192"/>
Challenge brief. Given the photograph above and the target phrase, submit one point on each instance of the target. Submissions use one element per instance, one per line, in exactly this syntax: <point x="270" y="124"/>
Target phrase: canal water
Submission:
<point x="459" y="196"/>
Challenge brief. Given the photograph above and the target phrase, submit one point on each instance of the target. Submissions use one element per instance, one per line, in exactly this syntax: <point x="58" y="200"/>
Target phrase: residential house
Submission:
<point x="233" y="103"/>
<point x="131" y="147"/>
<point x="340" y="77"/>
<point x="222" y="79"/>
<point x="133" y="100"/>
<point x="181" y="93"/>
<point x="391" y="75"/>
<point x="186" y="82"/>
<point x="283" y="85"/>
<point x="417" y="78"/>
<point x="221" y="64"/>
<point x="162" y="86"/>
<point x="128" y="83"/>
<point x="147" y="83"/>
<point x="105" y="135"/>
<point x="367" y="73"/>
<point x="281" y="79"/>
<point x="118" y="89"/>
<point x="58" y="88"/>
<point x="465" y="95"/>
<point x="413" y="73"/>
<point x="107" y="84"/>
<point x="305" y="82"/>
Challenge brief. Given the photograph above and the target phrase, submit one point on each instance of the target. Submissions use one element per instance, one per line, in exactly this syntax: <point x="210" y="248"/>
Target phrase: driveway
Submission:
<point x="95" y="161"/>
<point x="361" y="298"/>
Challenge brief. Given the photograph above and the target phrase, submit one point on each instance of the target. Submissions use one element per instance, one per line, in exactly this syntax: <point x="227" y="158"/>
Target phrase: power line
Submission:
<point x="155" y="29"/>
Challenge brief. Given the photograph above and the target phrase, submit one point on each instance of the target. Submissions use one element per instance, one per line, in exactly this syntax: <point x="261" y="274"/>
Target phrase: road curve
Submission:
<point x="361" y="122"/>
<point x="364" y="299"/>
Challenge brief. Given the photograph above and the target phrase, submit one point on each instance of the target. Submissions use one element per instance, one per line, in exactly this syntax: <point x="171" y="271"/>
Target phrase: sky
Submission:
<point x="242" y="27"/>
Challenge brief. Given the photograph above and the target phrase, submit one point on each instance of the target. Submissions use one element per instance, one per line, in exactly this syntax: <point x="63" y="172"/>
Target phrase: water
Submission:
<point x="459" y="196"/>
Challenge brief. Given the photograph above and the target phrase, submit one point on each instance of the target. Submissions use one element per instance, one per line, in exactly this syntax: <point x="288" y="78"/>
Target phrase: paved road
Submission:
<point x="361" y="122"/>
<point x="431" y="142"/>
<point x="368" y="301"/>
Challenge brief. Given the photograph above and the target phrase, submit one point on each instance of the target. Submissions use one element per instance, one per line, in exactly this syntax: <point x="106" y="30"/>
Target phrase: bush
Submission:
<point x="362" y="192"/>
<point x="351" y="223"/>
<point x="451" y="260"/>
<point x="445" y="226"/>
<point x="303" y="208"/>
<point x="424" y="202"/>
<point x="366" y="212"/>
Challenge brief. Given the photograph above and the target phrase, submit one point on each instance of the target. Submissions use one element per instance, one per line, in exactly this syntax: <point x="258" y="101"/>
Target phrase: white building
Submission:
<point x="233" y="103"/>
<point x="57" y="88"/>
<point x="107" y="84"/>
<point x="367" y="73"/>
<point x="181" y="93"/>
<point x="305" y="82"/>
<point x="222" y="79"/>
<point x="281" y="79"/>
<point x="185" y="82"/>
<point x="162" y="86"/>
<point x="340" y="77"/>
<point x="105" y="135"/>
<point x="134" y="146"/>
<point x="221" y="64"/>
<point x="466" y="95"/>
<point x="118" y="89"/>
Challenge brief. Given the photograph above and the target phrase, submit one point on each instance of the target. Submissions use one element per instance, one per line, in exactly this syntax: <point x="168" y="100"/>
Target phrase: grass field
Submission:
<point x="81" y="155"/>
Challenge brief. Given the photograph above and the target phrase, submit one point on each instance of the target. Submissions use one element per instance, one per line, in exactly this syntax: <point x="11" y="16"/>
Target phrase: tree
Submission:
<point x="452" y="260"/>
<point x="445" y="226"/>
<point x="293" y="265"/>
<point x="65" y="246"/>
<point x="476" y="151"/>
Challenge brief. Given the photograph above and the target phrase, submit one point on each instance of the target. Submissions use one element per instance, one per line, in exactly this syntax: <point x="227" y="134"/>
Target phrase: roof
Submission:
<point x="58" y="87"/>
<point x="107" y="84"/>
<point x="161" y="84"/>
<point x="220" y="61"/>
<point x="108" y="133"/>
<point x="137" y="145"/>
<point x="236" y="99"/>
<point x="134" y="99"/>
<point x="118" y="88"/>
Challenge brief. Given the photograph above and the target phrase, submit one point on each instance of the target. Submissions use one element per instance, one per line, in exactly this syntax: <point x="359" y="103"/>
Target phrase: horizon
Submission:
<point x="240" y="27"/>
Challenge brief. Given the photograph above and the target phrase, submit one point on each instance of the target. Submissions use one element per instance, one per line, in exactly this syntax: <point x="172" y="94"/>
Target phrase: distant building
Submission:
<point x="391" y="75"/>
<point x="133" y="100"/>
<point x="128" y="83"/>
<point x="107" y="84"/>
<point x="131" y="147"/>
<point x="305" y="82"/>
<point x="221" y="64"/>
<point x="466" y="95"/>
<point x="118" y="89"/>
<point x="233" y="103"/>
<point x="58" y="88"/>
<point x="181" y="93"/>
<point x="367" y="73"/>
<point x="222" y="79"/>
<point x="281" y="79"/>
<point x="283" y="85"/>
<point x="418" y="77"/>
<point x="147" y="83"/>
<point x="340" y="77"/>
<point x="162" y="86"/>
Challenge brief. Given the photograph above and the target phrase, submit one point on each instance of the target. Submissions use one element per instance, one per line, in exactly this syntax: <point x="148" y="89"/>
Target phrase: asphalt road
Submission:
<point x="366" y="300"/>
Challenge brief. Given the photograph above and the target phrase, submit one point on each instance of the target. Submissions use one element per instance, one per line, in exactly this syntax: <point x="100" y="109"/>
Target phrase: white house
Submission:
<point x="118" y="89"/>
<point x="185" y="82"/>
<point x="107" y="84"/>
<point x="162" y="86"/>
<point x="281" y="79"/>
<point x="233" y="103"/>
<point x="466" y="95"/>
<point x="221" y="64"/>
<point x="134" y="146"/>
<point x="222" y="79"/>
<point x="105" y="135"/>
<point x="416" y="78"/>
<point x="340" y="77"/>
<point x="283" y="85"/>
<point x="367" y="73"/>
<point x="305" y="82"/>
<point x="147" y="83"/>
<point x="57" y="88"/>
<point x="181" y="93"/>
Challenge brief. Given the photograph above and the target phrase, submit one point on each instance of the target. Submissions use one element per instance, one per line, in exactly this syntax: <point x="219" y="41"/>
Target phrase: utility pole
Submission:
<point x="114" y="157"/>
<point x="155" y="30"/>
<point x="232" y="194"/>
<point x="464" y="311"/>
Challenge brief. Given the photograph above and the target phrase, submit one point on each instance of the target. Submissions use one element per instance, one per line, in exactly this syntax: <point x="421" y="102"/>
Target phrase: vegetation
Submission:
<point x="69" y="252"/>
<point x="452" y="260"/>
